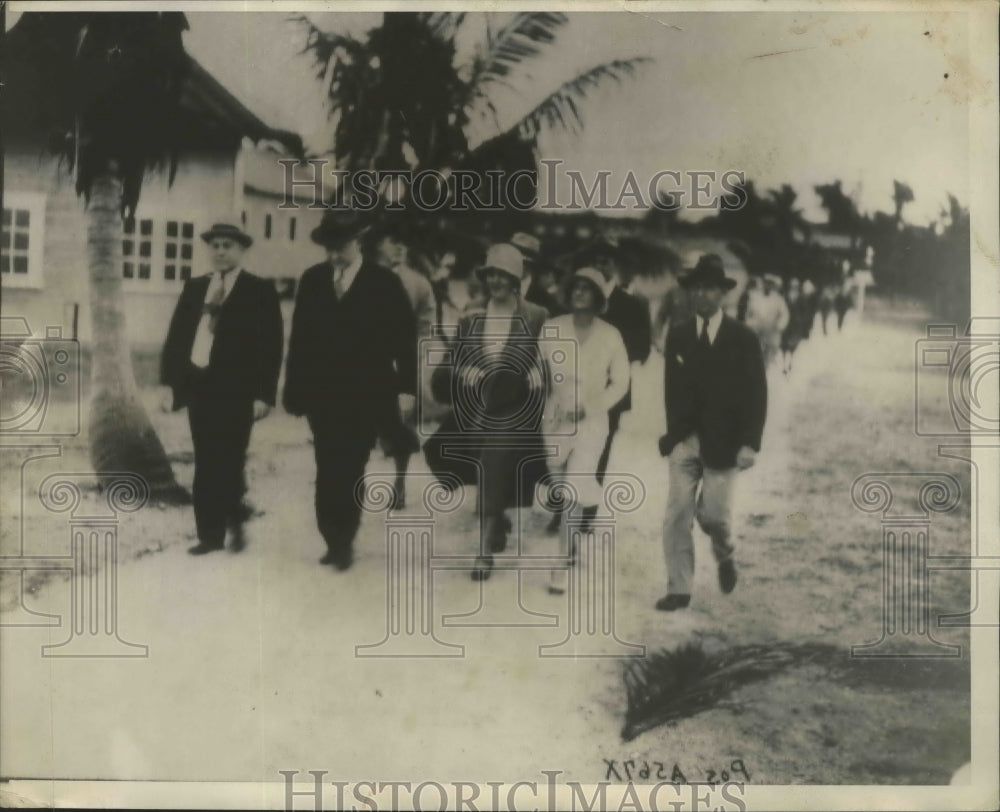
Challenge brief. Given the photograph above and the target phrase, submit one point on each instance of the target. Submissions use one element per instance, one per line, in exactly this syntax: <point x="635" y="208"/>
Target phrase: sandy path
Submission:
<point x="251" y="667"/>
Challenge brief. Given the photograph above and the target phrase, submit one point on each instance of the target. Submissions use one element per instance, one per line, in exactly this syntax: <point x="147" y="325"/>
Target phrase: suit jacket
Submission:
<point x="350" y="357"/>
<point x="246" y="349"/>
<point x="631" y="316"/>
<point x="538" y="295"/>
<point x="718" y="393"/>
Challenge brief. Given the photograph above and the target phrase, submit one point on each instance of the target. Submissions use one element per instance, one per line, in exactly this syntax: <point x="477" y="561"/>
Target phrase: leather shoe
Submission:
<point x="239" y="541"/>
<point x="669" y="603"/>
<point x="484" y="568"/>
<point x="202" y="548"/>
<point x="342" y="560"/>
<point x="727" y="576"/>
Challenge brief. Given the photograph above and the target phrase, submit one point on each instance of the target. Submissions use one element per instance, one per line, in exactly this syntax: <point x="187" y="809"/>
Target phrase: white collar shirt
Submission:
<point x="714" y="322"/>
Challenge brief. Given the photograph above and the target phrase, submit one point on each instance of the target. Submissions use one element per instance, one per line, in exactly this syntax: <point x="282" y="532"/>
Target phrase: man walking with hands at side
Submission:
<point x="352" y="359"/>
<point x="221" y="358"/>
<point x="716" y="403"/>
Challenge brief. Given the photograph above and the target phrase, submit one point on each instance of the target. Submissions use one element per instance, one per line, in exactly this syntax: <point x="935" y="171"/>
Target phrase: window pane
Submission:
<point x="129" y="225"/>
<point x="127" y="247"/>
<point x="187" y="231"/>
<point x="5" y="239"/>
<point x="128" y="270"/>
<point x="185" y="272"/>
<point x="4" y="263"/>
<point x="291" y="229"/>
<point x="171" y="250"/>
<point x="186" y="251"/>
<point x="267" y="226"/>
<point x="20" y="241"/>
<point x="170" y="271"/>
<point x="6" y="217"/>
<point x="145" y="249"/>
<point x="22" y="218"/>
<point x="145" y="227"/>
<point x="20" y="263"/>
<point x="243" y="217"/>
<point x="171" y="228"/>
<point x="143" y="270"/>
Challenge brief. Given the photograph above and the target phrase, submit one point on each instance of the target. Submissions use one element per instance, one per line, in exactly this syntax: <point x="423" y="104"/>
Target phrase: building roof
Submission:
<point x="204" y="94"/>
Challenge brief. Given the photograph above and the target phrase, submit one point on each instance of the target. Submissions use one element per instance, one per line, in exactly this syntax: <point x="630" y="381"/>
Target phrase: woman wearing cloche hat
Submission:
<point x="588" y="373"/>
<point x="495" y="387"/>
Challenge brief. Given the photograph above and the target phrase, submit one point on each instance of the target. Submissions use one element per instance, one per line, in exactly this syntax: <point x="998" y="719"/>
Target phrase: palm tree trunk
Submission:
<point x="122" y="438"/>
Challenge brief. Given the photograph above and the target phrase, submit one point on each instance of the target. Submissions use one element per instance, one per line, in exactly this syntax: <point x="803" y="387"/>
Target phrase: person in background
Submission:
<point x="387" y="247"/>
<point x="582" y="389"/>
<point x="676" y="304"/>
<point x="716" y="402"/>
<point x="536" y="292"/>
<point x="796" y="329"/>
<point x="221" y="358"/>
<point x="630" y="315"/>
<point x="843" y="300"/>
<point x="810" y="301"/>
<point x="352" y="352"/>
<point x="767" y="316"/>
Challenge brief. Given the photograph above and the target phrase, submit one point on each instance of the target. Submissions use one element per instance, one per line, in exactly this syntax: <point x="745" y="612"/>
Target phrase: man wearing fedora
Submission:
<point x="716" y="403"/>
<point x="221" y="358"/>
<point x="352" y="360"/>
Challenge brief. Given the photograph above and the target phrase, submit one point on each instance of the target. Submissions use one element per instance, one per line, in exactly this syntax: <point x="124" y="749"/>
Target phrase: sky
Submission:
<point x="785" y="97"/>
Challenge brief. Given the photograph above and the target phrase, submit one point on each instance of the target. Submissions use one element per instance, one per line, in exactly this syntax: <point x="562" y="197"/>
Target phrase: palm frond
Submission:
<point x="520" y="40"/>
<point x="560" y="109"/>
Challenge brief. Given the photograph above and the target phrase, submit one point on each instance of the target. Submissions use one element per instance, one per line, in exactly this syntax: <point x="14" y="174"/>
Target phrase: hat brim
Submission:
<point x="692" y="281"/>
<point x="243" y="239"/>
<point x="328" y="236"/>
<point x="602" y="298"/>
<point x="482" y="270"/>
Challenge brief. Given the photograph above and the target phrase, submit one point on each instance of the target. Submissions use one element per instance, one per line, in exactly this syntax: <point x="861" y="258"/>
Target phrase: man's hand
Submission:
<point x="407" y="405"/>
<point x="260" y="410"/>
<point x="745" y="458"/>
<point x="167" y="401"/>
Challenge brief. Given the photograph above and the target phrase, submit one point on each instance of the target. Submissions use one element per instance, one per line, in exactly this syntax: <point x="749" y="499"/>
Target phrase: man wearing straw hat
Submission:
<point x="716" y="402"/>
<point x="352" y="358"/>
<point x="221" y="358"/>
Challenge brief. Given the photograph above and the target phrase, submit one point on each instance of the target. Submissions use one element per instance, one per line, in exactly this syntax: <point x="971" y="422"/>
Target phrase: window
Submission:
<point x="137" y="244"/>
<point x="291" y="228"/>
<point x="267" y="226"/>
<point x="22" y="240"/>
<point x="157" y="254"/>
<point x="178" y="250"/>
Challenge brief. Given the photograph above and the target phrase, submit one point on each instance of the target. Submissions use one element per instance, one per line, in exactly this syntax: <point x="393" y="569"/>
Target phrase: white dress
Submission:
<point x="592" y="374"/>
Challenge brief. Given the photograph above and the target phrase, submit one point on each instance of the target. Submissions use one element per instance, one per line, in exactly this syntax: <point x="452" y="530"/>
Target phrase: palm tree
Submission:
<point x="403" y="99"/>
<point x="106" y="87"/>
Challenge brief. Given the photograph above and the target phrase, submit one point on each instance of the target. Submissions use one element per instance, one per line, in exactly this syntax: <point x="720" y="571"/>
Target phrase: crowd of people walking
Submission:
<point x="535" y="385"/>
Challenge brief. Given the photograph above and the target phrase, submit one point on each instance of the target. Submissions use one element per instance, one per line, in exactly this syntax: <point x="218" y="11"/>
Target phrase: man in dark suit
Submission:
<point x="352" y="359"/>
<point x="716" y="403"/>
<point x="536" y="293"/>
<point x="222" y="357"/>
<point x="630" y="315"/>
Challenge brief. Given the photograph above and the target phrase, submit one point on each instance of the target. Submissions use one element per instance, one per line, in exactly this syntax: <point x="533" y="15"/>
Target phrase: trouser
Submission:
<point x="220" y="433"/>
<point x="614" y="420"/>
<point x="342" y="446"/>
<point x="711" y="506"/>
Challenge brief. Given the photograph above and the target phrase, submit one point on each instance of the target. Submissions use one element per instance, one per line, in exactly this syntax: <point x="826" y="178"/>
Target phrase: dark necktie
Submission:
<point x="214" y="300"/>
<point x="703" y="339"/>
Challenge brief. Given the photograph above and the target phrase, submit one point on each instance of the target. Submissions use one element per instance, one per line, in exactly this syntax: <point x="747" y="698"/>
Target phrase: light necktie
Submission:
<point x="338" y="282"/>
<point x="213" y="301"/>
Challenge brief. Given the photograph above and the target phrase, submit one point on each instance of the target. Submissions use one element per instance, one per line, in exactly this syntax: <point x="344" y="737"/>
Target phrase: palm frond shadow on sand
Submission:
<point x="666" y="686"/>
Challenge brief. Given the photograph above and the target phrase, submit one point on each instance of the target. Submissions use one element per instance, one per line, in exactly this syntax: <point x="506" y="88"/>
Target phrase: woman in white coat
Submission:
<point x="588" y="373"/>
